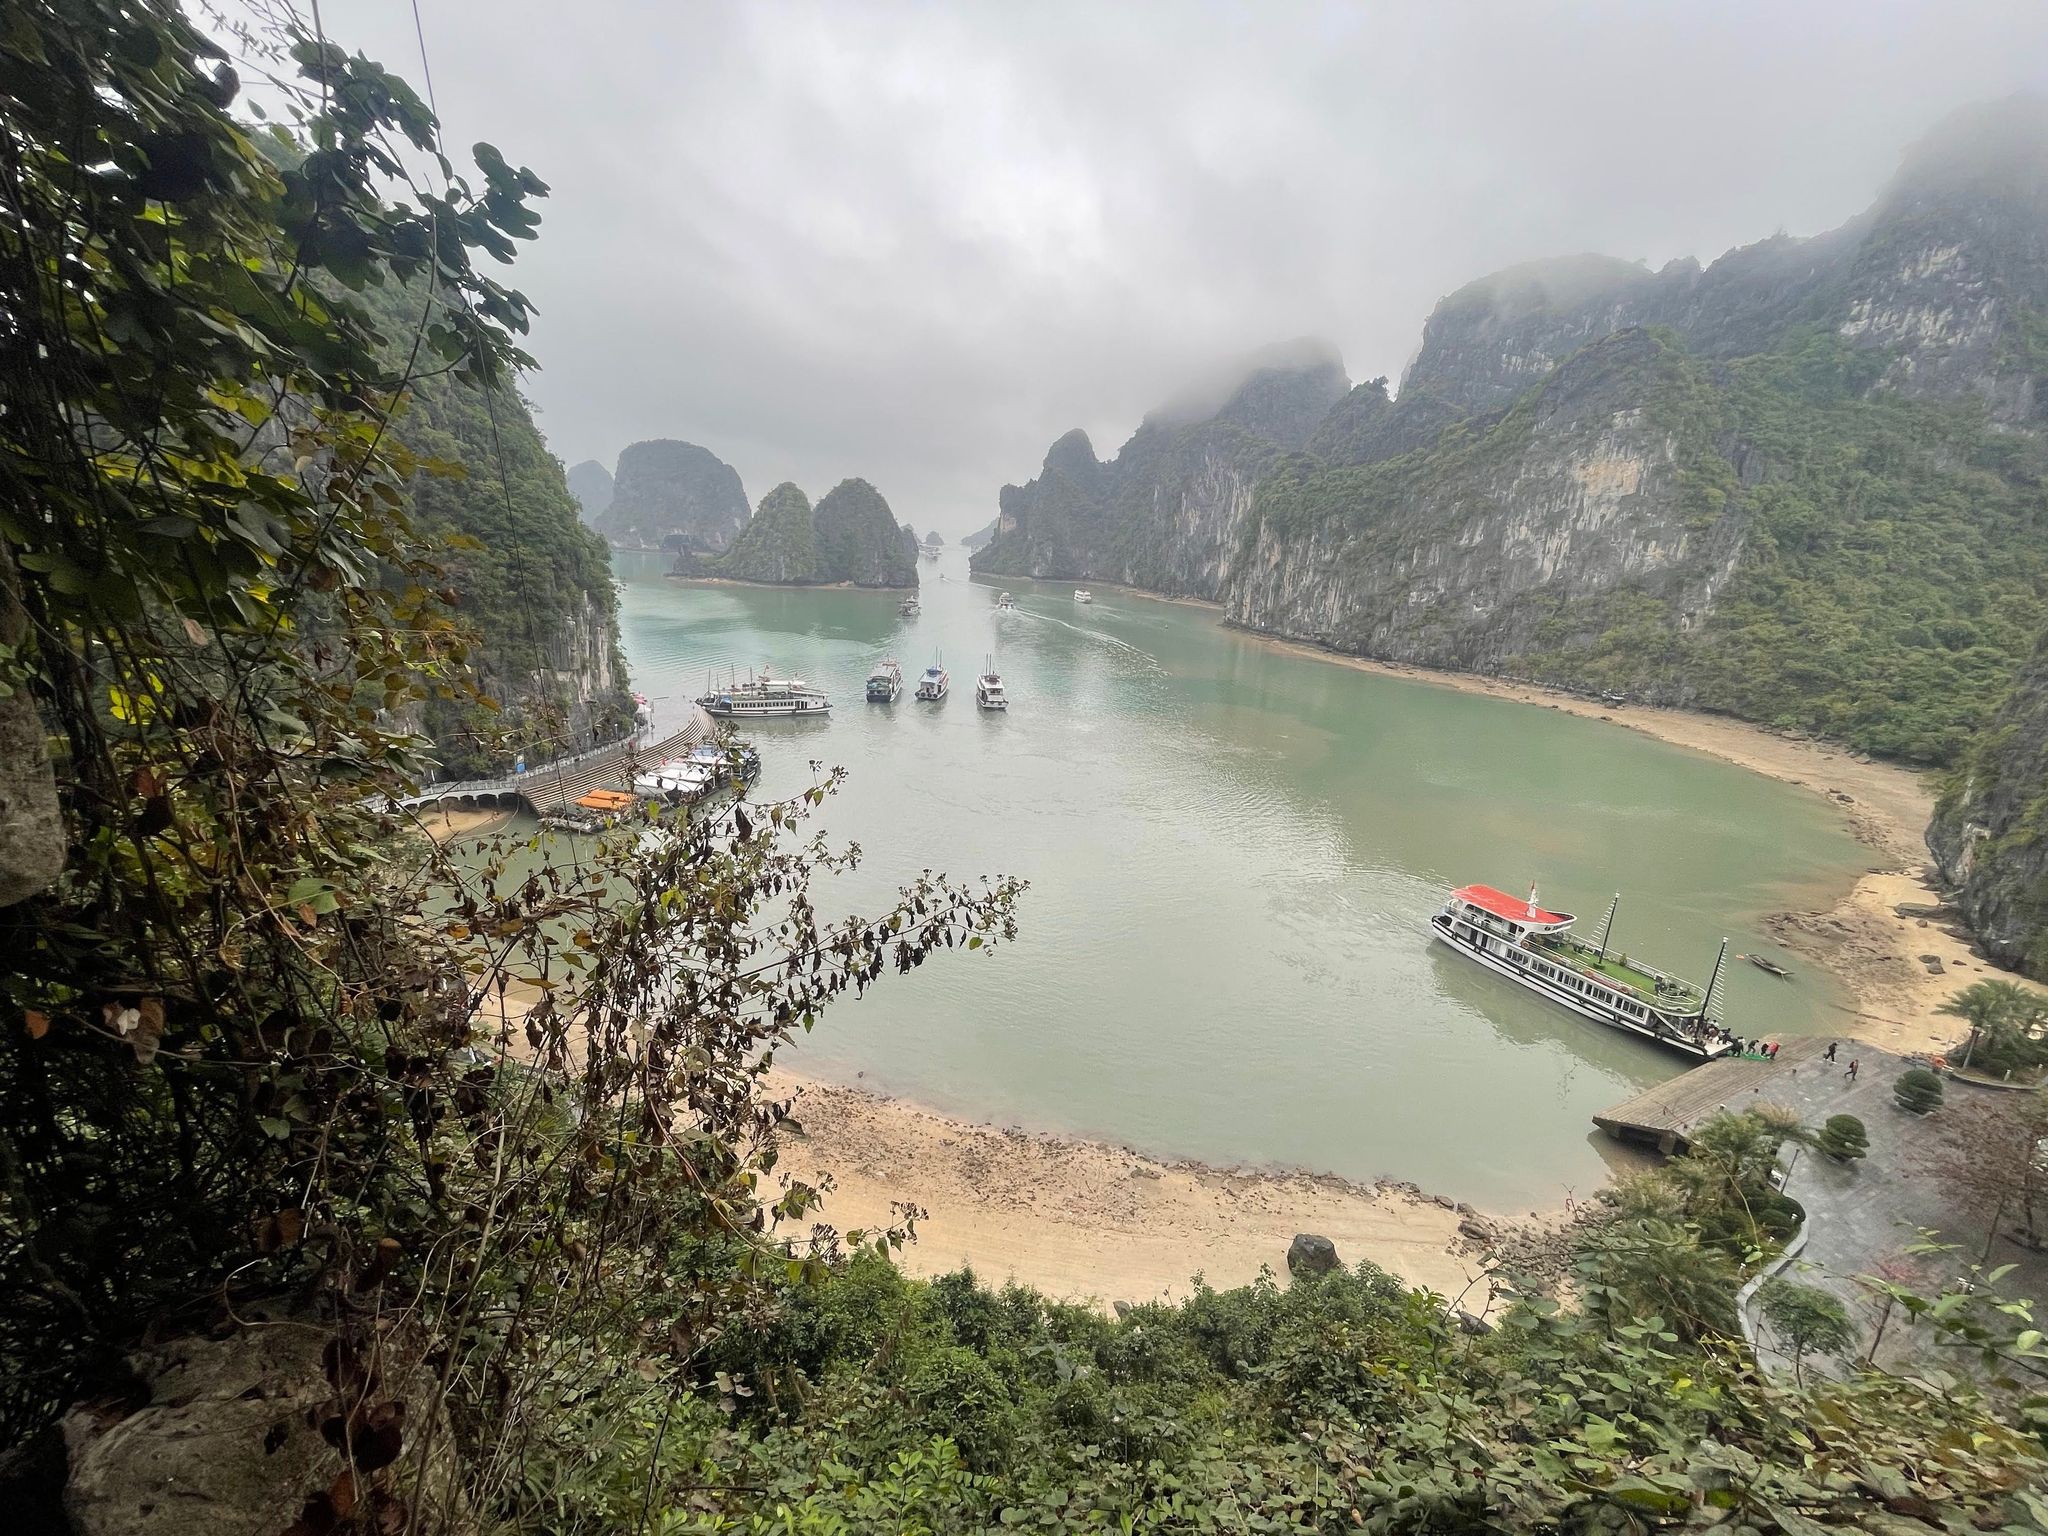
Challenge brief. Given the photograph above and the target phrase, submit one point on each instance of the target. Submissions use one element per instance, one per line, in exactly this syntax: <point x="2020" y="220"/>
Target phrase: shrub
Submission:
<point x="1917" y="1090"/>
<point x="1843" y="1138"/>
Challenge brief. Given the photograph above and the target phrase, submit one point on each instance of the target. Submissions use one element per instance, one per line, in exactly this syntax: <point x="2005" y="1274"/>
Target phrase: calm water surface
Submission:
<point x="1232" y="854"/>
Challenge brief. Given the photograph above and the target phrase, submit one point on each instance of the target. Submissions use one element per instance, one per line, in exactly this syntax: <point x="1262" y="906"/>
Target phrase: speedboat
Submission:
<point x="885" y="683"/>
<point x="935" y="684"/>
<point x="759" y="696"/>
<point x="988" y="688"/>
<point x="1083" y="595"/>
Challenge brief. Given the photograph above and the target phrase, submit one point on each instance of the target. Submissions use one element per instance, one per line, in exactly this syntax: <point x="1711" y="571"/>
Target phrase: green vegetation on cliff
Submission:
<point x="524" y="571"/>
<point x="1894" y="570"/>
<point x="1820" y="554"/>
<point x="1990" y="831"/>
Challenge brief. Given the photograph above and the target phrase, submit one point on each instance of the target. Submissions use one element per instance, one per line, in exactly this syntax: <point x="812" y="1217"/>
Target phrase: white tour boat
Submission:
<point x="1004" y="600"/>
<point x="1083" y="595"/>
<point x="935" y="684"/>
<point x="909" y="608"/>
<point x="988" y="688"/>
<point x="1538" y="949"/>
<point x="757" y="697"/>
<point x="885" y="683"/>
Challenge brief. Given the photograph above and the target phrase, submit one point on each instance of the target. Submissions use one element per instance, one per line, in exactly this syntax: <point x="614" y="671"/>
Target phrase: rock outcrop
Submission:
<point x="591" y="484"/>
<point x="674" y="495"/>
<point x="980" y="538"/>
<point x="245" y="1434"/>
<point x="1169" y="509"/>
<point x="850" y="537"/>
<point x="1990" y="831"/>
<point x="1312" y="1254"/>
<point x="859" y="540"/>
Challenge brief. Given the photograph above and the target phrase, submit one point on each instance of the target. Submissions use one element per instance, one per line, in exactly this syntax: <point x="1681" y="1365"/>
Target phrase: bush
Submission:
<point x="1844" y="1139"/>
<point x="1917" y="1090"/>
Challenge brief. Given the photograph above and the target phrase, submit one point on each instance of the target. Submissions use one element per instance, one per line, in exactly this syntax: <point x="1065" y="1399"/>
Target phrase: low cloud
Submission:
<point x="916" y="243"/>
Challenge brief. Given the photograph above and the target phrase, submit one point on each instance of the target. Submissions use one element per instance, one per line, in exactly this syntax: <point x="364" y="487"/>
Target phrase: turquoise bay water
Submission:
<point x="1232" y="855"/>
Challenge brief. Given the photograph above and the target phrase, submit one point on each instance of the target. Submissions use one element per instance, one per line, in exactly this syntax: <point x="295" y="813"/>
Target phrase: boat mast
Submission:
<point x="1707" y="1002"/>
<point x="1608" y="927"/>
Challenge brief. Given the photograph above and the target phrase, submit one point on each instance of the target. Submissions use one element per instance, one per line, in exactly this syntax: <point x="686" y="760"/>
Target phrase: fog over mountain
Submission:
<point x="916" y="244"/>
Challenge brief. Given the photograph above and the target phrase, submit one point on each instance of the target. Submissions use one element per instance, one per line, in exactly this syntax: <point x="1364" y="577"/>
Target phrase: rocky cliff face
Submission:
<point x="859" y="539"/>
<point x="591" y="484"/>
<point x="1166" y="512"/>
<point x="1466" y="557"/>
<point x="1990" y="832"/>
<point x="674" y="495"/>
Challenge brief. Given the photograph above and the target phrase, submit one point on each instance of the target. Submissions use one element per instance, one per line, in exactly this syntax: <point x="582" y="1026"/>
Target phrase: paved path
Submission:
<point x="1861" y="1216"/>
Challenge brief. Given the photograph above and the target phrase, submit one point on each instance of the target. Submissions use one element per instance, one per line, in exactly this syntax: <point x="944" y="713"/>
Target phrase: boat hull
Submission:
<point x="724" y="711"/>
<point x="1587" y="1008"/>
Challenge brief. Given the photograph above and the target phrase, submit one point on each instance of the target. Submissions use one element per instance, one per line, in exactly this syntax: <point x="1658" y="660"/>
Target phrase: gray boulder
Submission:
<point x="1310" y="1254"/>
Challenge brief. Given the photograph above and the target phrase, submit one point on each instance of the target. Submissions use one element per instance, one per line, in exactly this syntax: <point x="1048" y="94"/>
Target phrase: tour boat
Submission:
<point x="1537" y="948"/>
<point x="935" y="683"/>
<point x="885" y="683"/>
<point x="988" y="688"/>
<point x="909" y="608"/>
<point x="1083" y="595"/>
<point x="1006" y="601"/>
<point x="676" y="779"/>
<point x="760" y="696"/>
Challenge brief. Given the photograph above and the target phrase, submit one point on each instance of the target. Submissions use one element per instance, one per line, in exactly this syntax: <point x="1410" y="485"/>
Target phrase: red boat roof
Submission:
<point x="1501" y="904"/>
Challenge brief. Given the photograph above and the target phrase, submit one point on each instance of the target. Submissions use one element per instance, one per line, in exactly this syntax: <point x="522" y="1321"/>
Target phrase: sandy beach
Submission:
<point x="444" y="823"/>
<point x="1092" y="1222"/>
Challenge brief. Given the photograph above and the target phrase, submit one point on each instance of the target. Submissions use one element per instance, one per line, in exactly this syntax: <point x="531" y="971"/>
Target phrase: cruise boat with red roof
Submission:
<point x="1537" y="948"/>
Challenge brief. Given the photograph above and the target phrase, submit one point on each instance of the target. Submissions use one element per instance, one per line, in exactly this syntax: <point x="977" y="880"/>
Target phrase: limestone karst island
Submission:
<point x="887" y="771"/>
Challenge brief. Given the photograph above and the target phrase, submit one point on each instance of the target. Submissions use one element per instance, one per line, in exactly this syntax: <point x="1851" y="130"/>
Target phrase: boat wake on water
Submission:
<point x="1092" y="634"/>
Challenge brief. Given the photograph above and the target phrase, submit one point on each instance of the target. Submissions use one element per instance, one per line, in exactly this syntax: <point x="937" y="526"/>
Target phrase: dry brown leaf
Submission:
<point x="36" y="1023"/>
<point x="148" y="1031"/>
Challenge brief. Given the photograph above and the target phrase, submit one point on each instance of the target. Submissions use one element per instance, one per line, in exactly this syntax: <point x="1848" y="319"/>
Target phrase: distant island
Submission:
<point x="850" y="538"/>
<point x="665" y="494"/>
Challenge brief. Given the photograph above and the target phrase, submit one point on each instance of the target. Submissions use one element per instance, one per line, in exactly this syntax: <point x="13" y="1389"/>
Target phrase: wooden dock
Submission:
<point x="1799" y="1080"/>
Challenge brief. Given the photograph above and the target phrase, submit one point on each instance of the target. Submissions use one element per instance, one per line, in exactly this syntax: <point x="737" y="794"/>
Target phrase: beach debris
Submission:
<point x="1311" y="1254"/>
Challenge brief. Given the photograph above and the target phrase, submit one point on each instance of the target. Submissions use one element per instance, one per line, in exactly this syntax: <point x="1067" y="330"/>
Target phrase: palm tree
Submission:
<point x="2003" y="1016"/>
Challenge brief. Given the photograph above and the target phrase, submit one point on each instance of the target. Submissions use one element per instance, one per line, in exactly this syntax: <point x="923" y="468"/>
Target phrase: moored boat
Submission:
<point x="764" y="696"/>
<point x="1538" y="949"/>
<point x="885" y="683"/>
<point x="935" y="684"/>
<point x="988" y="688"/>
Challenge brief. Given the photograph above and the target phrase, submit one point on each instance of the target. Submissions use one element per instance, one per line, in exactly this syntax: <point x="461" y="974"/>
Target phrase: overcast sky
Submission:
<point x="917" y="242"/>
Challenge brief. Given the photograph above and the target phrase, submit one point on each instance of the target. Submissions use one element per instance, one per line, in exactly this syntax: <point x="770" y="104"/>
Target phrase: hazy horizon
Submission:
<point x="917" y="246"/>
